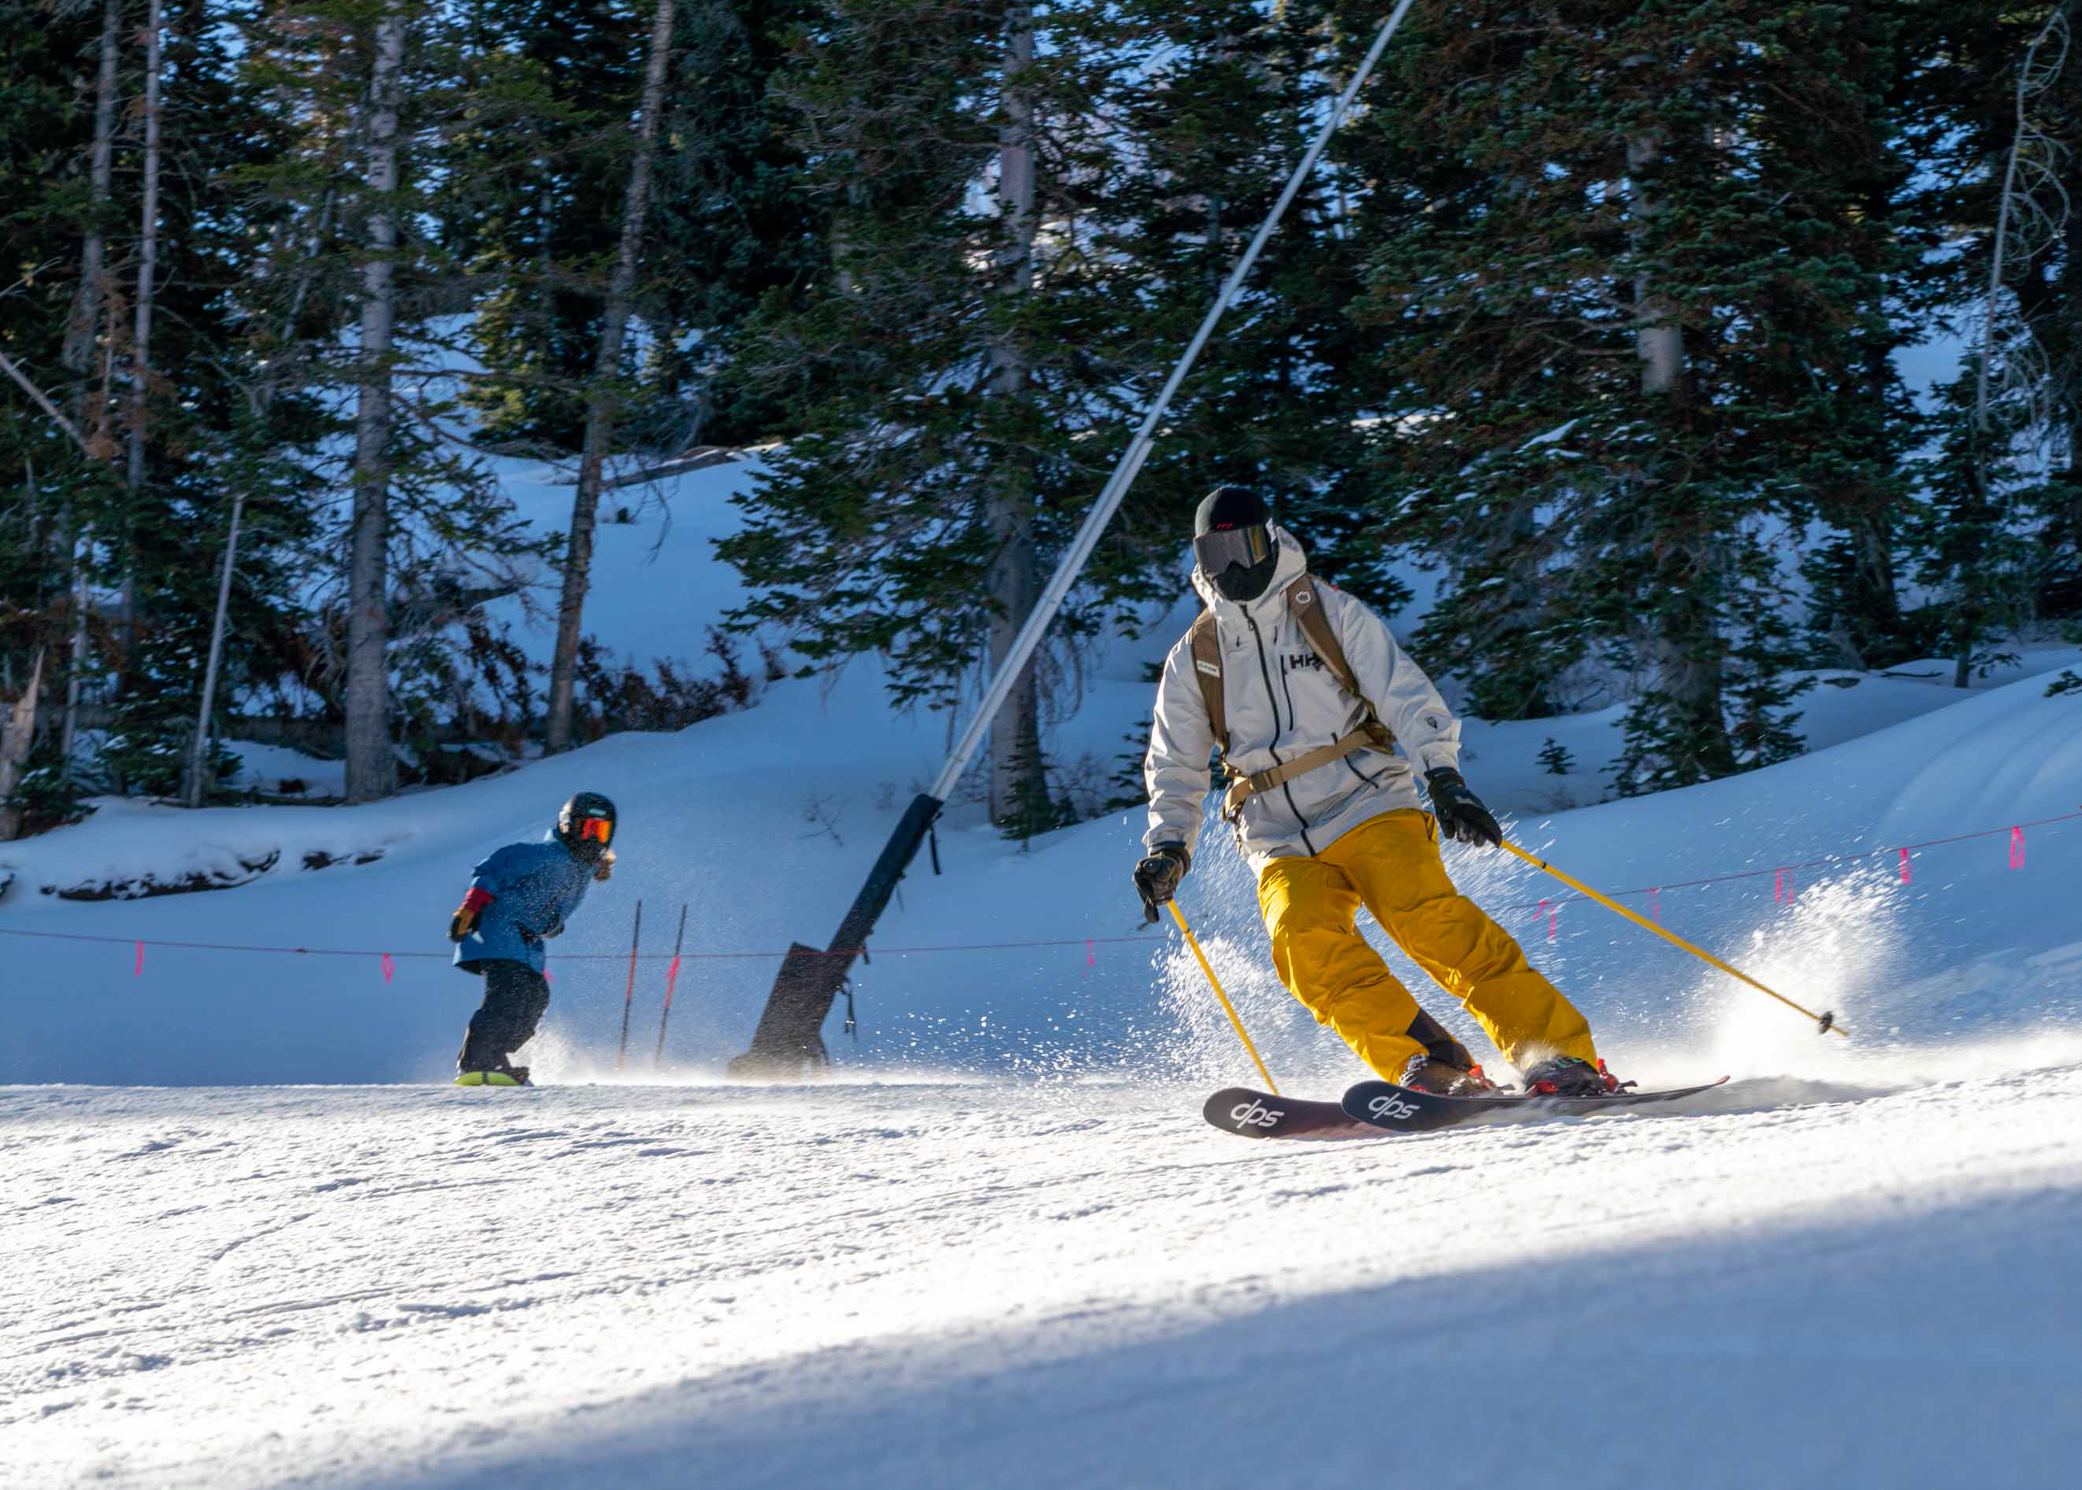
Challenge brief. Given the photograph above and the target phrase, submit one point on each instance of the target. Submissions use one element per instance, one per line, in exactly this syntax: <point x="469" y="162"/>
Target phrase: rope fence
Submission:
<point x="1785" y="887"/>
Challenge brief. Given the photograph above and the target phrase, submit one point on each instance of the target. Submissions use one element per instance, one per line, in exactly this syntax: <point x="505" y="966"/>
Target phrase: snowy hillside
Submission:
<point x="762" y="824"/>
<point x="1000" y="1247"/>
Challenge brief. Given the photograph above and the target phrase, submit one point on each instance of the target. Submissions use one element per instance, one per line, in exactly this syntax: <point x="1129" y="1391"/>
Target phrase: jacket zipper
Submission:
<point x="1286" y="788"/>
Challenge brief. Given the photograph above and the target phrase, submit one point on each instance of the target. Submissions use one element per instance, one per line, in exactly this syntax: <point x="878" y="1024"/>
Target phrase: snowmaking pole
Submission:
<point x="790" y="1033"/>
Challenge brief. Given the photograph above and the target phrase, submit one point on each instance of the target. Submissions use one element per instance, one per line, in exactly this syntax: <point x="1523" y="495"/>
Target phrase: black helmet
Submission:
<point x="1233" y="543"/>
<point x="586" y="825"/>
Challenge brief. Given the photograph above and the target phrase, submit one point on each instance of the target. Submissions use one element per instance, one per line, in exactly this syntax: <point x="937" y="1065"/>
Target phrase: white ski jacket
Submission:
<point x="1282" y="701"/>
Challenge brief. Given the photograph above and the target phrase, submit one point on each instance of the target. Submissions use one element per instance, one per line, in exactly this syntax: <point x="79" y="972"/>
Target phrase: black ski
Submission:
<point x="1397" y="1109"/>
<point x="1238" y="1109"/>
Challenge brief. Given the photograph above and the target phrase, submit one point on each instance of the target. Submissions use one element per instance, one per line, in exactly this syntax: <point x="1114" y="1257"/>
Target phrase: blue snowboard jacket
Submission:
<point x="535" y="887"/>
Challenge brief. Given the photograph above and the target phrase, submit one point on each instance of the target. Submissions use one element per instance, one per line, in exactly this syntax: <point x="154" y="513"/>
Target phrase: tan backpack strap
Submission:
<point x="1305" y="601"/>
<point x="1207" y="672"/>
<point x="1243" y="788"/>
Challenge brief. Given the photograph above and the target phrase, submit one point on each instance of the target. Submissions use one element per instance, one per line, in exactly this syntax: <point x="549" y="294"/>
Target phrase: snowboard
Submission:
<point x="1384" y="1106"/>
<point x="1254" y="1114"/>
<point x="487" y="1078"/>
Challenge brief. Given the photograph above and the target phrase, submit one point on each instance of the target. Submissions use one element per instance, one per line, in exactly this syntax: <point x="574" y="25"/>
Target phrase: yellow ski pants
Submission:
<point x="1391" y="865"/>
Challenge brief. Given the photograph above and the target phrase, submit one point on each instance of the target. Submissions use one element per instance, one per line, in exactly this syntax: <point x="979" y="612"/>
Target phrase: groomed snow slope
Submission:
<point x="1071" y="1285"/>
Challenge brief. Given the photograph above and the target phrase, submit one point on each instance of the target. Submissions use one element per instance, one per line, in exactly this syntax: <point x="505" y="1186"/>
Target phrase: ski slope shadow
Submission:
<point x="1907" y="1346"/>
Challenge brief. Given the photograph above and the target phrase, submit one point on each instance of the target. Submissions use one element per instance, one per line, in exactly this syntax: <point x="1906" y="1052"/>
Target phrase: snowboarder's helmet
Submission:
<point x="586" y="825"/>
<point x="1233" y="543"/>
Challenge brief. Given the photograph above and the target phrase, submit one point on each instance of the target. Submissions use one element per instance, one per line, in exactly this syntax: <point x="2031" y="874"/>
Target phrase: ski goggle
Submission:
<point x="599" y="829"/>
<point x="1216" y="551"/>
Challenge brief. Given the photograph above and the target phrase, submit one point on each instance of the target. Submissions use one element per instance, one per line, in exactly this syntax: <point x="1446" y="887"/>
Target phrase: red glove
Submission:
<point x="464" y="921"/>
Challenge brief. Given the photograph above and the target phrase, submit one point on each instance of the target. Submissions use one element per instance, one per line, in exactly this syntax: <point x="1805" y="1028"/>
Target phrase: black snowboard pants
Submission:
<point x="515" y="996"/>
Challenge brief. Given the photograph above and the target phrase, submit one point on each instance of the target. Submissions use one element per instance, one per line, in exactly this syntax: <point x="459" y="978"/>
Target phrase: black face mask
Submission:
<point x="1238" y="561"/>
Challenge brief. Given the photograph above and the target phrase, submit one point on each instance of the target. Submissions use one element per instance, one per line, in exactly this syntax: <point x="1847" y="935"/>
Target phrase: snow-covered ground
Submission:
<point x="763" y="822"/>
<point x="1840" y="1284"/>
<point x="1001" y="1248"/>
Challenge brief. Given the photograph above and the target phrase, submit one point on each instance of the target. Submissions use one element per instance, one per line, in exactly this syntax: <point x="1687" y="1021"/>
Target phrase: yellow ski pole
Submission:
<point x="1227" y="1007"/>
<point x="1826" y="1020"/>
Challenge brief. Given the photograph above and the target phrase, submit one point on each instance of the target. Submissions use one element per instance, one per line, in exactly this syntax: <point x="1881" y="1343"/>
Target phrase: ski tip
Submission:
<point x="1249" y="1113"/>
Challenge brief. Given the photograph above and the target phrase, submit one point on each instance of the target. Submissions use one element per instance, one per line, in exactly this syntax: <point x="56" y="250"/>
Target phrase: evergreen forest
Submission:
<point x="1617" y="319"/>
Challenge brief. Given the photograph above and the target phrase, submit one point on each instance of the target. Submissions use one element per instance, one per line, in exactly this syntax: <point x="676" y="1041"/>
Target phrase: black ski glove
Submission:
<point x="1461" y="815"/>
<point x="1157" y="876"/>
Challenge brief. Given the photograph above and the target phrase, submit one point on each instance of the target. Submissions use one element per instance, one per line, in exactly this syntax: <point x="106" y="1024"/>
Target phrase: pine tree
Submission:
<point x="1627" y="335"/>
<point x="543" y="162"/>
<point x="907" y="516"/>
<point x="1215" y="106"/>
<point x="1998" y="543"/>
<point x="602" y="394"/>
<point x="972" y="365"/>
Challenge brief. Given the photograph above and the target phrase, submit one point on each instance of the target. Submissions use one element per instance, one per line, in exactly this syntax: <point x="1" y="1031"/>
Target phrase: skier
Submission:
<point x="1306" y="694"/>
<point x="518" y="898"/>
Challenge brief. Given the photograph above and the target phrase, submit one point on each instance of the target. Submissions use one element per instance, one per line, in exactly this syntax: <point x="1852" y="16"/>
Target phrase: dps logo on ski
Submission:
<point x="1392" y="1107"/>
<point x="1254" y="1114"/>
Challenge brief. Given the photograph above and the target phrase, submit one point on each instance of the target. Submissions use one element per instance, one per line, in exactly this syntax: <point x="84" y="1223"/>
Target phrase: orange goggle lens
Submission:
<point x="595" y="828"/>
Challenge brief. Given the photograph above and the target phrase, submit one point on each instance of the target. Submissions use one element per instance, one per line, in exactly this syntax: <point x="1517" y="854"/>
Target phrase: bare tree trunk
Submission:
<point x="78" y="355"/>
<point x="371" y="763"/>
<point x="1684" y="645"/>
<point x="76" y="654"/>
<point x="141" y="313"/>
<point x="198" y="758"/>
<point x="1658" y="339"/>
<point x="17" y="733"/>
<point x="1016" y="769"/>
<point x="601" y="395"/>
<point x="262" y="397"/>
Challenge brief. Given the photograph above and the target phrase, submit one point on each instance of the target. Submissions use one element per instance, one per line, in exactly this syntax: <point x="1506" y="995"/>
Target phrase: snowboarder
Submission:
<point x="1306" y="694"/>
<point x="518" y="898"/>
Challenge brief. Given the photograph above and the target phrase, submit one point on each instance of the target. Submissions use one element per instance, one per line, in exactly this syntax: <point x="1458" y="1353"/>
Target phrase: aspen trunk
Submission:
<point x="136" y="432"/>
<point x="199" y="751"/>
<point x="85" y="315"/>
<point x="371" y="763"/>
<point x="17" y="734"/>
<point x="1685" y="646"/>
<point x="1658" y="339"/>
<point x="76" y="654"/>
<point x="1017" y="775"/>
<point x="600" y="397"/>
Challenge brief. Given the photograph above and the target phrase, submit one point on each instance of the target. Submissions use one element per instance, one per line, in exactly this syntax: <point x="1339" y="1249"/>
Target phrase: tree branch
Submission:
<point x="7" y="366"/>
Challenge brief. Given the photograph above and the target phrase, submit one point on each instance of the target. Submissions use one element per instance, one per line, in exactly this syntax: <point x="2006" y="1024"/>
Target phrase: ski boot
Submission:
<point x="502" y="1074"/>
<point x="1427" y="1073"/>
<point x="1568" y="1076"/>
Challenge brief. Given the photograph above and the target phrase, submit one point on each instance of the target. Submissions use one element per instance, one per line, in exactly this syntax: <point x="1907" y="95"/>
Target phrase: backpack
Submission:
<point x="1206" y="647"/>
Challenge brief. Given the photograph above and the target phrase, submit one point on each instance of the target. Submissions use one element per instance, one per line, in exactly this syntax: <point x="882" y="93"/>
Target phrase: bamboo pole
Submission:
<point x="629" y="994"/>
<point x="672" y="978"/>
